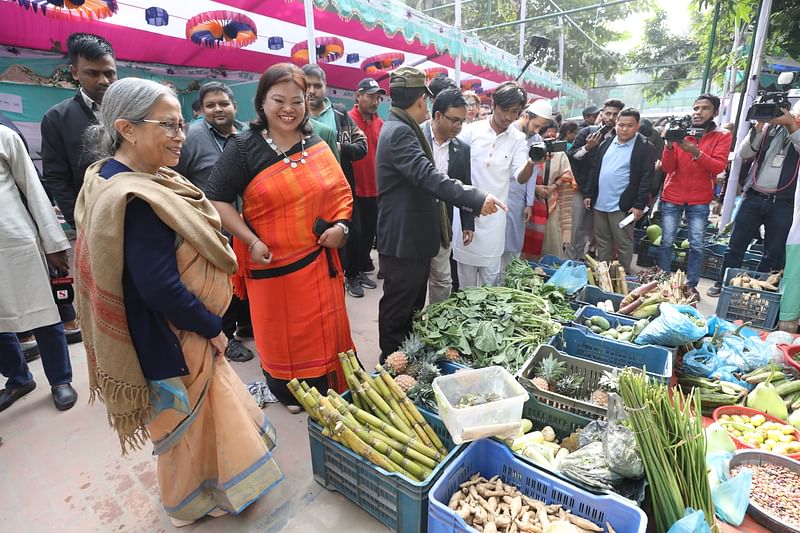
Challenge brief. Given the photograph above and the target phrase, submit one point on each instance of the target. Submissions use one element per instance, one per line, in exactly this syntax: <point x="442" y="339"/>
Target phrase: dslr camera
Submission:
<point x="680" y="128"/>
<point x="539" y="151"/>
<point x="769" y="105"/>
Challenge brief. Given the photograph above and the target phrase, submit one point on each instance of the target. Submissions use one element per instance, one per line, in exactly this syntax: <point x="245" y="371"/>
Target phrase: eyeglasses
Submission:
<point x="472" y="106"/>
<point x="171" y="128"/>
<point x="456" y="122"/>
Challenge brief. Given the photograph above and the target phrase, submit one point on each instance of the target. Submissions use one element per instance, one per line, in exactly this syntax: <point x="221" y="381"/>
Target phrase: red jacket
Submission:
<point x="364" y="169"/>
<point x="692" y="181"/>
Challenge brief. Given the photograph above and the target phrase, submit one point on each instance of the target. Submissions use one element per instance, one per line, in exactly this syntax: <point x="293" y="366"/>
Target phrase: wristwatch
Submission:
<point x="344" y="227"/>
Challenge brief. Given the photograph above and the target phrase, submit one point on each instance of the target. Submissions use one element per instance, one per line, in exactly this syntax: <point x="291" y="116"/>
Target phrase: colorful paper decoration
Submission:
<point x="72" y="9"/>
<point x="353" y="58"/>
<point x="471" y="84"/>
<point x="432" y="72"/>
<point x="328" y="50"/>
<point x="156" y="16"/>
<point x="383" y="62"/>
<point x="221" y="28"/>
<point x="275" y="43"/>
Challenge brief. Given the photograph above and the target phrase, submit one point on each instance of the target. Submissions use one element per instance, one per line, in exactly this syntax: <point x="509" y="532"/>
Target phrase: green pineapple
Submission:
<point x="548" y="372"/>
<point x="609" y="382"/>
<point x="569" y="385"/>
<point x="412" y="346"/>
<point x="428" y="372"/>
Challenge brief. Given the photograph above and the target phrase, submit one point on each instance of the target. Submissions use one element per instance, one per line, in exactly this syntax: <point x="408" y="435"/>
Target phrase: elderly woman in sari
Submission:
<point x="296" y="207"/>
<point x="153" y="272"/>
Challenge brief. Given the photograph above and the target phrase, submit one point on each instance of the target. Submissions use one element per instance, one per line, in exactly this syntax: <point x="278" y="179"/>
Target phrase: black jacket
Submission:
<point x="408" y="186"/>
<point x="643" y="160"/>
<point x="64" y="160"/>
<point x="458" y="168"/>
<point x="352" y="143"/>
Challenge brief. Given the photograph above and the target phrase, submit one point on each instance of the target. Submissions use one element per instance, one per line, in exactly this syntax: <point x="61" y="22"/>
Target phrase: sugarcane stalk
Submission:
<point x="347" y="369"/>
<point x="363" y="449"/>
<point x="411" y="440"/>
<point x="412" y="409"/>
<point x="390" y="399"/>
<point x="357" y="387"/>
<point x="394" y="418"/>
<point x="423" y="436"/>
<point x="296" y="388"/>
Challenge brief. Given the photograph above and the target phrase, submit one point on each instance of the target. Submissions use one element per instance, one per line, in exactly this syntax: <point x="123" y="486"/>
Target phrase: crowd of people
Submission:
<point x="194" y="235"/>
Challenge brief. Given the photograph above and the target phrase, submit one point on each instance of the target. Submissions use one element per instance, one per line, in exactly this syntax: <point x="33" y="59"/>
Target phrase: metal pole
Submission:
<point x="577" y="27"/>
<point x="458" y="33"/>
<point x="445" y="6"/>
<point x="730" y="86"/>
<point x="712" y="41"/>
<point x="312" y="45"/>
<point x="523" y="7"/>
<point x="748" y="96"/>
<point x="560" y="12"/>
<point x="560" y="59"/>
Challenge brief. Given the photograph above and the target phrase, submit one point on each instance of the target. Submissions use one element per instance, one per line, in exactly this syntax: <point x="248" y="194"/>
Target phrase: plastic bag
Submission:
<point x="588" y="466"/>
<point x="732" y="497"/>
<point x="726" y="373"/>
<point x="745" y="353"/>
<point x="702" y="361"/>
<point x="692" y="522"/>
<point x="673" y="327"/>
<point x="724" y="326"/>
<point x="595" y="431"/>
<point x="570" y="276"/>
<point x="619" y="445"/>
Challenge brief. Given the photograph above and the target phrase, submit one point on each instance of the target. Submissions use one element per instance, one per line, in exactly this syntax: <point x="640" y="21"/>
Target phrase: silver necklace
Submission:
<point x="286" y="159"/>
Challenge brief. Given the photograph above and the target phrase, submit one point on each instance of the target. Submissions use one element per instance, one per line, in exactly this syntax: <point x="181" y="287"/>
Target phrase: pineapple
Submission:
<point x="453" y="355"/>
<point x="608" y="383"/>
<point x="428" y="372"/>
<point x="397" y="362"/>
<point x="569" y="385"/>
<point x="405" y="382"/>
<point x="548" y="372"/>
<point x="412" y="346"/>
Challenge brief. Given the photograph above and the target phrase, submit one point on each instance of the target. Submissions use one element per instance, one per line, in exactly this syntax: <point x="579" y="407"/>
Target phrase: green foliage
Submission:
<point x="667" y="57"/>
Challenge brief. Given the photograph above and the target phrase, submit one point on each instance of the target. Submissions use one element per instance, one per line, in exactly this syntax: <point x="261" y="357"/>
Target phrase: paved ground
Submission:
<point x="63" y="471"/>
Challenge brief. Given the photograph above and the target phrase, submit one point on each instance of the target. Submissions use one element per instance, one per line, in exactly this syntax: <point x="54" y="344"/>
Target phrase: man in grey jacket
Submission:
<point x="412" y="218"/>
<point x="204" y="143"/>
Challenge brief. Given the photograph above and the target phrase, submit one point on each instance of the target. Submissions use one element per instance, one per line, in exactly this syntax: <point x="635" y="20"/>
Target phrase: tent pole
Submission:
<point x="523" y="8"/>
<point x="312" y="45"/>
<point x="458" y="32"/>
<point x="749" y="96"/>
<point x="560" y="59"/>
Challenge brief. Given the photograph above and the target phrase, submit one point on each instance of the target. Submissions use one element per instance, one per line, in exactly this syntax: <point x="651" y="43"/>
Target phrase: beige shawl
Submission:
<point x="115" y="375"/>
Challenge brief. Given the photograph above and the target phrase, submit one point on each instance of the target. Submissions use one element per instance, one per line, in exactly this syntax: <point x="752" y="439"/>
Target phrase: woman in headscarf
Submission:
<point x="296" y="207"/>
<point x="153" y="272"/>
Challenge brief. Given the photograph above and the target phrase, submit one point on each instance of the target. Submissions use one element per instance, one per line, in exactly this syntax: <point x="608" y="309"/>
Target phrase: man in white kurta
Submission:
<point x="497" y="152"/>
<point x="30" y="237"/>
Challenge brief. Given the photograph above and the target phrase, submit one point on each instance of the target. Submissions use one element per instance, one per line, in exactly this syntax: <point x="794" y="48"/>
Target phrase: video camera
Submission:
<point x="539" y="151"/>
<point x="680" y="128"/>
<point x="769" y="105"/>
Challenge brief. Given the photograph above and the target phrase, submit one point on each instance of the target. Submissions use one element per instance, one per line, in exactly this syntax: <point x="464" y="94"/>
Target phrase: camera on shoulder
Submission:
<point x="681" y="127"/>
<point x="770" y="104"/>
<point x="540" y="150"/>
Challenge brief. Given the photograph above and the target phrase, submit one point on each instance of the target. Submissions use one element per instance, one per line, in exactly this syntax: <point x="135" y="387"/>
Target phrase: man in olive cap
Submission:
<point x="412" y="217"/>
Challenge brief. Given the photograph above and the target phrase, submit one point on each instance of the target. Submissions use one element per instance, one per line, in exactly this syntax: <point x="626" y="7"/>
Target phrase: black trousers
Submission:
<point x="238" y="314"/>
<point x="362" y="234"/>
<point x="405" y="285"/>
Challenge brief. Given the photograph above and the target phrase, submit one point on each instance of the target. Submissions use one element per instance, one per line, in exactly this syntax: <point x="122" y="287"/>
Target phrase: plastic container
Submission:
<point x="588" y="311"/>
<point x="581" y="343"/>
<point x="590" y="371"/>
<point x="711" y="268"/>
<point x="498" y="418"/>
<point x="763" y="516"/>
<point x="397" y="502"/>
<point x="591" y="295"/>
<point x="741" y="410"/>
<point x="760" y="308"/>
<point x="644" y="258"/>
<point x="491" y="458"/>
<point x="638" y="235"/>
<point x="789" y="352"/>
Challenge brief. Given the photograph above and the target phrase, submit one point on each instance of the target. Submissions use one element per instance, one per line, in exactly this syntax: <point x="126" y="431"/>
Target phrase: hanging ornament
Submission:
<point x="275" y="43"/>
<point x="72" y="9"/>
<point x="382" y="62"/>
<point x="156" y="16"/>
<point x="221" y="28"/>
<point x="328" y="50"/>
<point x="432" y="72"/>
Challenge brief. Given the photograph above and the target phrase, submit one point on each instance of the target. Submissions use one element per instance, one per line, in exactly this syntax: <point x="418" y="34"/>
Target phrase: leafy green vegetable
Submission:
<point x="520" y="275"/>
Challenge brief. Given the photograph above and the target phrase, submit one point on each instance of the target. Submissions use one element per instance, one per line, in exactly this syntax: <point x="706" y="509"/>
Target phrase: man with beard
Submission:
<point x="692" y="165"/>
<point x="204" y="143"/>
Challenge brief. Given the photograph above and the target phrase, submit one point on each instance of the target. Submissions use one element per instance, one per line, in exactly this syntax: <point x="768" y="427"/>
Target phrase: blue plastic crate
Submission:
<point x="490" y="458"/>
<point x="591" y="295"/>
<point x="760" y="308"/>
<point x="588" y="311"/>
<point x="581" y="343"/>
<point x="397" y="502"/>
<point x="638" y="235"/>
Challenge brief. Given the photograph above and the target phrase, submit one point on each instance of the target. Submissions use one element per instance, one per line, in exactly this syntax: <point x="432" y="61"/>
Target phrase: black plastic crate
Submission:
<point x="760" y="308"/>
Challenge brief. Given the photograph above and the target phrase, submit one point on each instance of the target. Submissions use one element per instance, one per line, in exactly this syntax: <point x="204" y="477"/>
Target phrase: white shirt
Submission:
<point x="441" y="154"/>
<point x="494" y="157"/>
<point x="91" y="104"/>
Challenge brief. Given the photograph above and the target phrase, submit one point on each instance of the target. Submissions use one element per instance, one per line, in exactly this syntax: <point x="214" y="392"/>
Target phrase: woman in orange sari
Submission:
<point x="296" y="208"/>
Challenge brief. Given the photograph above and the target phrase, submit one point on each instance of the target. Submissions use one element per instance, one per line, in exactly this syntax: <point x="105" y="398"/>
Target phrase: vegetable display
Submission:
<point x="761" y="433"/>
<point x="745" y="281"/>
<point x="713" y="392"/>
<point x="600" y="325"/>
<point x="541" y="446"/>
<point x="610" y="278"/>
<point x="488" y="325"/>
<point x="774" y="490"/>
<point x="671" y="440"/>
<point x="519" y="275"/>
<point x="491" y="506"/>
<point x="643" y="301"/>
<point x="382" y="425"/>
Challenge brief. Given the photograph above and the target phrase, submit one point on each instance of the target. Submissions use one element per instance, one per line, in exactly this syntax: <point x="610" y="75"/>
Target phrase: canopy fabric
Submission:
<point x="366" y="28"/>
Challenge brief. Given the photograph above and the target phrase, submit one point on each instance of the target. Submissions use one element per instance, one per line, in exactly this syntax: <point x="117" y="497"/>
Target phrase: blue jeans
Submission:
<point x="776" y="217"/>
<point x="697" y="218"/>
<point x="55" y="357"/>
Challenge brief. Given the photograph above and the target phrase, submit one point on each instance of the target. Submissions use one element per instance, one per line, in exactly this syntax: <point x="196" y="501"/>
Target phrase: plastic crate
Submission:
<point x="714" y="254"/>
<point x="643" y="257"/>
<point x="592" y="295"/>
<point x="638" y="235"/>
<point x="589" y="370"/>
<point x="490" y="458"/>
<point x="678" y="261"/>
<point x="397" y="502"/>
<point x="588" y="311"/>
<point x="740" y="410"/>
<point x="760" y="308"/>
<point x="580" y="343"/>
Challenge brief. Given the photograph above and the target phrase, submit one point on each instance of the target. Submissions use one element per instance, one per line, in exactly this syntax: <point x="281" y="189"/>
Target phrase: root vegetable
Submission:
<point x="583" y="523"/>
<point x="490" y="527"/>
<point x="455" y="499"/>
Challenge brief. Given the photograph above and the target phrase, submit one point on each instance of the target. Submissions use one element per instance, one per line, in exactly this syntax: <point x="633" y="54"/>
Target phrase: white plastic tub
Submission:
<point x="499" y="418"/>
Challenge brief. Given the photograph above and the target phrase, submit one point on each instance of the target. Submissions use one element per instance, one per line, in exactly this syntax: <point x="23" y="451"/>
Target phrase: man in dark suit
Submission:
<point x="619" y="184"/>
<point x="412" y="223"/>
<point x="64" y="159"/>
<point x="451" y="156"/>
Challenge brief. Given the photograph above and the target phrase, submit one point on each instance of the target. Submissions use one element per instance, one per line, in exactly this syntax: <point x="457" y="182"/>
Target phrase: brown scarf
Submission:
<point x="446" y="230"/>
<point x="115" y="375"/>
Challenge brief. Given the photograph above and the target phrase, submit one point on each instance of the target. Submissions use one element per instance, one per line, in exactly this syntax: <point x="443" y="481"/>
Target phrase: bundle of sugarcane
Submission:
<point x="382" y="425"/>
<point x="609" y="277"/>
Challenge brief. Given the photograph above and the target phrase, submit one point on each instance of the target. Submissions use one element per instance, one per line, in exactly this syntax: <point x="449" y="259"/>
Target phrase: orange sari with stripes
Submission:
<point x="299" y="318"/>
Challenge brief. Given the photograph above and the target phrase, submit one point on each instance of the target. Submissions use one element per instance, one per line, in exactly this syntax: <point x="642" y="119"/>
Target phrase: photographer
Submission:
<point x="769" y="192"/>
<point x="692" y="165"/>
